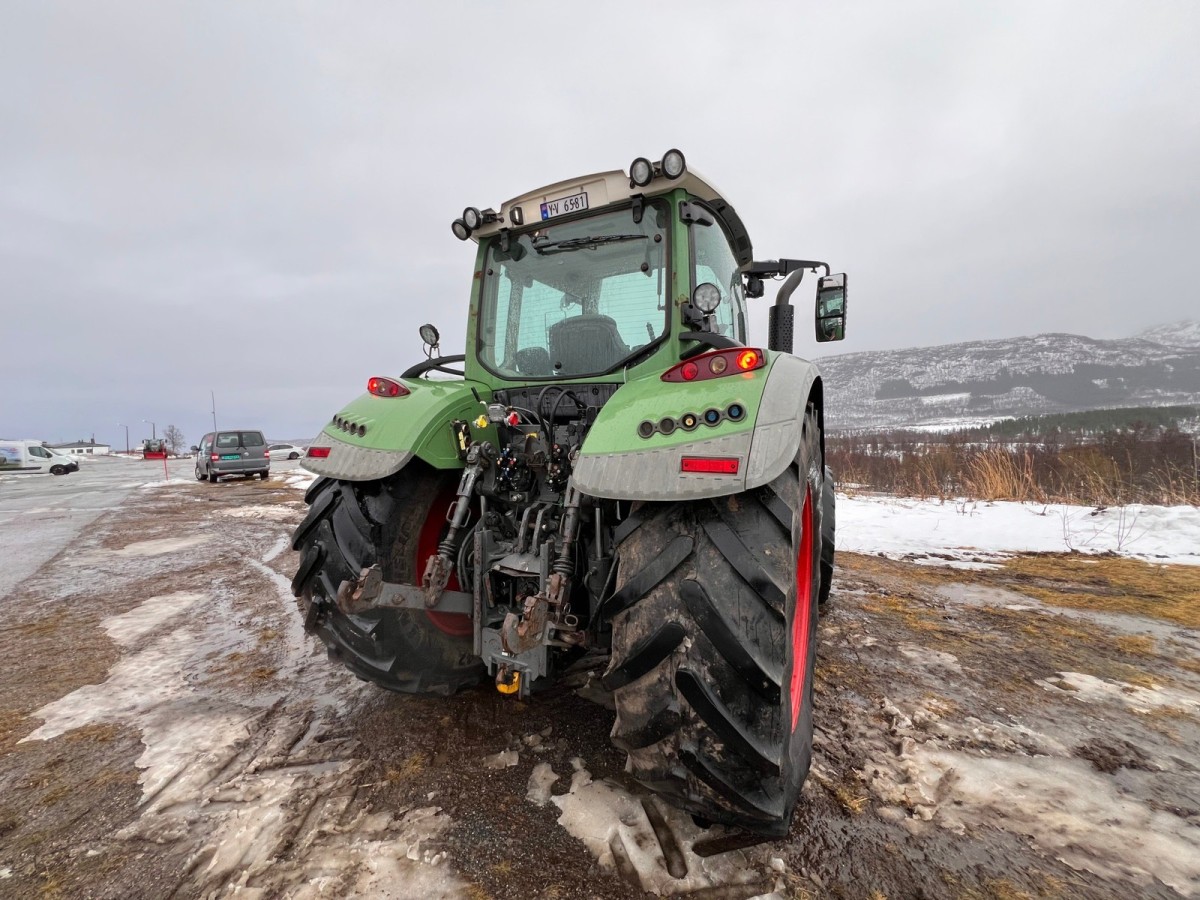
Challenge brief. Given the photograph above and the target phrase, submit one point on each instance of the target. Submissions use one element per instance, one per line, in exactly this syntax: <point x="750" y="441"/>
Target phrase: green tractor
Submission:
<point x="611" y="476"/>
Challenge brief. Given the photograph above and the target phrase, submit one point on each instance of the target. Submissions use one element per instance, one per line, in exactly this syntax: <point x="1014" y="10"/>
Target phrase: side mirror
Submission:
<point x="831" y="308"/>
<point x="195" y="449"/>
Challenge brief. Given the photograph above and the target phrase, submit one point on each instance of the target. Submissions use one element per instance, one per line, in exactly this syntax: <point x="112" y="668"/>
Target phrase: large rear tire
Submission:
<point x="714" y="640"/>
<point x="396" y="523"/>
<point x="828" y="534"/>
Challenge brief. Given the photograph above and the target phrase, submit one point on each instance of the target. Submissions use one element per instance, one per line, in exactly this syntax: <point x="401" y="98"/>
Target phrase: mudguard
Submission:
<point x="374" y="437"/>
<point x="619" y="461"/>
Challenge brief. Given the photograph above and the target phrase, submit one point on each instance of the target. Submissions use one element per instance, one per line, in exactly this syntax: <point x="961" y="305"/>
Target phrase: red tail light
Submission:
<point x="215" y="456"/>
<point x="717" y="364"/>
<point x="710" y="465"/>
<point x="386" y="387"/>
<point x="267" y="454"/>
<point x="319" y="452"/>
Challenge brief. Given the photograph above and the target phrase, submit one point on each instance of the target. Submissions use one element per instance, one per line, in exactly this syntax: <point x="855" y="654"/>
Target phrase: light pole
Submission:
<point x="153" y="434"/>
<point x="126" y="427"/>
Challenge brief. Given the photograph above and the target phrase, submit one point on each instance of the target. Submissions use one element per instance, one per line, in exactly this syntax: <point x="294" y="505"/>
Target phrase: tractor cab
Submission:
<point x="610" y="276"/>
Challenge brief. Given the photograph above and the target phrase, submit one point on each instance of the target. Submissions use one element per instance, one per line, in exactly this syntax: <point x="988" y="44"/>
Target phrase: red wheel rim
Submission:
<point x="802" y="615"/>
<point x="453" y="624"/>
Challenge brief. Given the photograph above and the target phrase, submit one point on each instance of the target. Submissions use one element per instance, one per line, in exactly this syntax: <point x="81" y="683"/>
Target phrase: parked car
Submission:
<point x="232" y="453"/>
<point x="286" y="451"/>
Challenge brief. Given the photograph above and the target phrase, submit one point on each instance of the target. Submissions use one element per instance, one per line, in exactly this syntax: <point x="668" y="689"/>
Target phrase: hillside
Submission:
<point x="968" y="383"/>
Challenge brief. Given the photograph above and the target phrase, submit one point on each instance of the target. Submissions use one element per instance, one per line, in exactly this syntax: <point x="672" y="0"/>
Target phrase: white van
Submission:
<point x="30" y="457"/>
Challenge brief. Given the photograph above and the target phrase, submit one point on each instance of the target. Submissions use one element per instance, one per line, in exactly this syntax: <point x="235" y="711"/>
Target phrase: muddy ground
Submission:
<point x="168" y="730"/>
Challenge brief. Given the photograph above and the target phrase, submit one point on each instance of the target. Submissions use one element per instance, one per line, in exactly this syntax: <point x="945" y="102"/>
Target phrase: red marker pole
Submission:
<point x="166" y="477"/>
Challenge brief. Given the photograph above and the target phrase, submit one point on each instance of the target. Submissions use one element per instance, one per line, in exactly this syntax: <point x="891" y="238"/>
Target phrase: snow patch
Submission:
<point x="502" y="760"/>
<point x="981" y="775"/>
<point x="277" y="512"/>
<point x="278" y="547"/>
<point x="1090" y="689"/>
<point x="615" y="828"/>
<point x="161" y="545"/>
<point x="538" y="792"/>
<point x="129" y="628"/>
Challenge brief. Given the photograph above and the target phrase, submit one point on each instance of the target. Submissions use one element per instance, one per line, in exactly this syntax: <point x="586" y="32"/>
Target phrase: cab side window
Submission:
<point x="715" y="263"/>
<point x="39" y="452"/>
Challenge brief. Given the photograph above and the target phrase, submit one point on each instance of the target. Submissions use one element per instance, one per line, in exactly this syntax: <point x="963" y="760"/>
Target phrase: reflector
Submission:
<point x="710" y="465"/>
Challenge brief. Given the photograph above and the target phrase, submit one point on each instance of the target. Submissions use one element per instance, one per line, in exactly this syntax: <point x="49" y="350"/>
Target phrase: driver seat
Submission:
<point x="585" y="344"/>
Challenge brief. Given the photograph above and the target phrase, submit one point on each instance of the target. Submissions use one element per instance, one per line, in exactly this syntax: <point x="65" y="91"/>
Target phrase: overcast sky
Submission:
<point x="254" y="199"/>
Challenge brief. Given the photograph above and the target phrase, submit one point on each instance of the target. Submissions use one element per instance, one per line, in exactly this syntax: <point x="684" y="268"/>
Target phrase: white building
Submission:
<point x="82" y="448"/>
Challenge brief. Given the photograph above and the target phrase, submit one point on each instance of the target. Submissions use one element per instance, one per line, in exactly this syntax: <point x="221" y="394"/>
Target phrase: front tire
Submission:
<point x="58" y="470"/>
<point x="714" y="640"/>
<point x="396" y="523"/>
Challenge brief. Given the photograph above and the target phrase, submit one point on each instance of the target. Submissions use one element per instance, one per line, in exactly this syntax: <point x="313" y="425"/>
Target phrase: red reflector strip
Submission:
<point x="710" y="465"/>
<point x="318" y="452"/>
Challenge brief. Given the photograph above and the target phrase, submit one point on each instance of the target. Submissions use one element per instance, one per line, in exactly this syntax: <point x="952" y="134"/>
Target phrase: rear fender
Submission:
<point x="619" y="462"/>
<point x="374" y="437"/>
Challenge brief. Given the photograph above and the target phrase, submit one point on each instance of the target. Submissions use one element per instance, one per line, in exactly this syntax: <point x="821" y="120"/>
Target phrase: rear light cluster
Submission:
<point x="386" y="387"/>
<point x="319" y="452"/>
<point x="717" y="364"/>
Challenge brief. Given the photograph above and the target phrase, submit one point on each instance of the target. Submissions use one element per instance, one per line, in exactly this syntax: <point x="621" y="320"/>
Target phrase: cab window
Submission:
<point x="575" y="298"/>
<point x="40" y="452"/>
<point x="714" y="263"/>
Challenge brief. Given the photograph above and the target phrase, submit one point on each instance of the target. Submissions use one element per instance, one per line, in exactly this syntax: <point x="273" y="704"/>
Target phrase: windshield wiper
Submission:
<point x="589" y="242"/>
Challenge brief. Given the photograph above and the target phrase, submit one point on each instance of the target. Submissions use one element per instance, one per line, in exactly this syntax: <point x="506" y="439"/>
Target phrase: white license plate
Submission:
<point x="564" y="205"/>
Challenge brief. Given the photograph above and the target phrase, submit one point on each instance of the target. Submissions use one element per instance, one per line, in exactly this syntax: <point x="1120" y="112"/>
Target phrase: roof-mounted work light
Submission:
<point x="460" y="229"/>
<point x="641" y="171"/>
<point x="673" y="164"/>
<point x="472" y="217"/>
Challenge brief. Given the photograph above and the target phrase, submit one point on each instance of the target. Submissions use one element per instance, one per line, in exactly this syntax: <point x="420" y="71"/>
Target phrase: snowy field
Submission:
<point x="968" y="532"/>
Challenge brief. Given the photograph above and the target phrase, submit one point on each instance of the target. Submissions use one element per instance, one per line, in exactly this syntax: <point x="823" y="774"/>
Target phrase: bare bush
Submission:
<point x="1136" y="465"/>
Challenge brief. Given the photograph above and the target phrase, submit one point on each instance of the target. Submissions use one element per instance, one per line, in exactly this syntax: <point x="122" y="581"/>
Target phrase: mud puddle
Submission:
<point x="191" y="741"/>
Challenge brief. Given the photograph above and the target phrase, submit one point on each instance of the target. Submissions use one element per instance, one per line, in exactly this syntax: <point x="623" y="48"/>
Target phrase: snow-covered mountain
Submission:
<point x="979" y="381"/>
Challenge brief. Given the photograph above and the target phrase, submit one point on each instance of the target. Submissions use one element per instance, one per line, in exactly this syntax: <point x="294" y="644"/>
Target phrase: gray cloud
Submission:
<point x="255" y="198"/>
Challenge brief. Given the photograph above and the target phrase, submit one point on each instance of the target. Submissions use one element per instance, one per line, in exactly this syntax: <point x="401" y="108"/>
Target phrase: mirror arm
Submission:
<point x="772" y="267"/>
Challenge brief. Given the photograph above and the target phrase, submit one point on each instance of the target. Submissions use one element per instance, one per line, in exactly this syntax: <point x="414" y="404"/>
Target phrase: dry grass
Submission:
<point x="998" y="474"/>
<point x="1136" y="644"/>
<point x="412" y="767"/>
<point x="1111" y="584"/>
